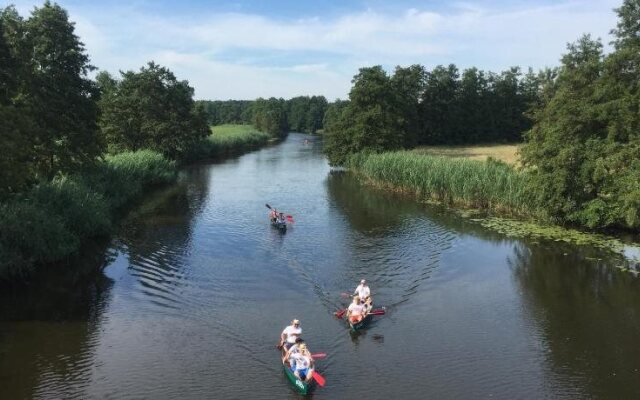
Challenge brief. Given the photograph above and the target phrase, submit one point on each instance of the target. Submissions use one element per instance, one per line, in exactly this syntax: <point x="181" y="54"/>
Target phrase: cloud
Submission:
<point x="243" y="55"/>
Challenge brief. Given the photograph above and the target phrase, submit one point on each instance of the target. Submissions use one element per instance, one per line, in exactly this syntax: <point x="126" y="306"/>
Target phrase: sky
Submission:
<point x="286" y="48"/>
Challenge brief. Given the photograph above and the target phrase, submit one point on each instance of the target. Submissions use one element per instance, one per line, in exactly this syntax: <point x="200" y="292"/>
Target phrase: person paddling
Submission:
<point x="356" y="310"/>
<point x="364" y="293"/>
<point x="290" y="334"/>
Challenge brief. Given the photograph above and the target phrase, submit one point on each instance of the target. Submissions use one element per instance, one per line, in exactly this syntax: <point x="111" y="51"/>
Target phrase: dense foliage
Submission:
<point x="414" y="106"/>
<point x="48" y="222"/>
<point x="305" y="114"/>
<point x="47" y="104"/>
<point x="150" y="109"/>
<point x="584" y="150"/>
<point x="221" y="112"/>
<point x="373" y="120"/>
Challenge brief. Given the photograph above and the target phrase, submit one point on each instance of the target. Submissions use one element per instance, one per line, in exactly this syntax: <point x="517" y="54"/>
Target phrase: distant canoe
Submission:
<point x="282" y="226"/>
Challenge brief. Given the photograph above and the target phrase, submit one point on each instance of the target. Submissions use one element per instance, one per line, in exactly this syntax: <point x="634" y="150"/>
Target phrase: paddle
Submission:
<point x="345" y="295"/>
<point x="318" y="355"/>
<point x="319" y="378"/>
<point x="378" y="311"/>
<point x="289" y="217"/>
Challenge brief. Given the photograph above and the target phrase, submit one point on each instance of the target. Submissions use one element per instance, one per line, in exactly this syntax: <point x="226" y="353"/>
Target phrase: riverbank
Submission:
<point x="227" y="140"/>
<point x="490" y="192"/>
<point x="52" y="220"/>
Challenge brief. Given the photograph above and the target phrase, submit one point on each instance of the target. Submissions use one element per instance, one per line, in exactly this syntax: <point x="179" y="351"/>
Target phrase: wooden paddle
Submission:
<point x="318" y="355"/>
<point x="319" y="378"/>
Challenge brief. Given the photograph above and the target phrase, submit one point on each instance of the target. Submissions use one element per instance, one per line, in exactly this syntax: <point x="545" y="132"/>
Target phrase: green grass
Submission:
<point x="50" y="222"/>
<point x="486" y="185"/>
<point x="227" y="140"/>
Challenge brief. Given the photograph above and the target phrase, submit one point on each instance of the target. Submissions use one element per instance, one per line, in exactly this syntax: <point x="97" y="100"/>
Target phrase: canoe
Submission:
<point x="301" y="387"/>
<point x="279" y="225"/>
<point x="359" y="325"/>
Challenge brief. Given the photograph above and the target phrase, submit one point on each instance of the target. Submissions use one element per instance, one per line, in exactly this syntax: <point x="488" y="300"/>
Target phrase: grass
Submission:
<point x="507" y="153"/>
<point x="51" y="221"/>
<point x="227" y="140"/>
<point x="485" y="185"/>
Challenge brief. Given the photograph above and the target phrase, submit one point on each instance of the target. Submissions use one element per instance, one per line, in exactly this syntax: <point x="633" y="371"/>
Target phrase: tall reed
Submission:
<point x="489" y="185"/>
<point x="50" y="221"/>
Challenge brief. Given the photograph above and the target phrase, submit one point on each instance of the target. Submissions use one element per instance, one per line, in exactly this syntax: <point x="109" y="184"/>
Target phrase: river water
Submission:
<point x="197" y="286"/>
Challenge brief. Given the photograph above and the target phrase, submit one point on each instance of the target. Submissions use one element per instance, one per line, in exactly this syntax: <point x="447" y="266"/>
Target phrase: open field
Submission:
<point x="233" y="130"/>
<point x="503" y="152"/>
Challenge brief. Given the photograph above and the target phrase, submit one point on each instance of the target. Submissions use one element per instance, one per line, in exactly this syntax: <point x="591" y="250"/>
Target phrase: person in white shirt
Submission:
<point x="356" y="311"/>
<point x="290" y="334"/>
<point x="364" y="293"/>
<point x="302" y="363"/>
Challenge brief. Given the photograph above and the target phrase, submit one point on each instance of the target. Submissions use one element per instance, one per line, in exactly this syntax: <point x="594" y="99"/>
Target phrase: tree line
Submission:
<point x="414" y="106"/>
<point x="276" y="116"/>
<point x="580" y="122"/>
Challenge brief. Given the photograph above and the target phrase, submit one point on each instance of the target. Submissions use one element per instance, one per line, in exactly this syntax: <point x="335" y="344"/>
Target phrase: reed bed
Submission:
<point x="487" y="185"/>
<point x="49" y="222"/>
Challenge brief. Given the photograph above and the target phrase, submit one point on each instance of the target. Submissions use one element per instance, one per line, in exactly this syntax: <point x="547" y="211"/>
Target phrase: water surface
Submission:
<point x="197" y="286"/>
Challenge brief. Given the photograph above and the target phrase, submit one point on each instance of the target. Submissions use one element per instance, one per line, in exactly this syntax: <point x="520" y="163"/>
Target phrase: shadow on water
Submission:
<point x="49" y="329"/>
<point x="587" y="314"/>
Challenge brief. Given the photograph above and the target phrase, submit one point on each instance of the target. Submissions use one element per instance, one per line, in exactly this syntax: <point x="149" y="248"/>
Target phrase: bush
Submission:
<point x="50" y="221"/>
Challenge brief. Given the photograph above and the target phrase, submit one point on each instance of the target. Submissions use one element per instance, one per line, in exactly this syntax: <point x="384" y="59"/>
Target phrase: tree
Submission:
<point x="150" y="109"/>
<point x="16" y="169"/>
<point x="372" y="121"/>
<point x="59" y="93"/>
<point x="438" y="107"/>
<point x="270" y="116"/>
<point x="566" y="138"/>
<point x="409" y="84"/>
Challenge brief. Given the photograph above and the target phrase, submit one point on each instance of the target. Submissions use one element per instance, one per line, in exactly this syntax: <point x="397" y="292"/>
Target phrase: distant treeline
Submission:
<point x="414" y="106"/>
<point x="274" y="115"/>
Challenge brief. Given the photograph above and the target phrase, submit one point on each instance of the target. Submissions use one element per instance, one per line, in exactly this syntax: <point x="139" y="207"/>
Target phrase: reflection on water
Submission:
<point x="197" y="287"/>
<point x="587" y="313"/>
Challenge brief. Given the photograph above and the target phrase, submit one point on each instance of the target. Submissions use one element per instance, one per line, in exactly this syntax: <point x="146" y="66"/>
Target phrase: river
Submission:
<point x="196" y="287"/>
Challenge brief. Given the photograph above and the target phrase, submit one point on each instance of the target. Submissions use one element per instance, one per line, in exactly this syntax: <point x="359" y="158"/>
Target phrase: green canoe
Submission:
<point x="301" y="387"/>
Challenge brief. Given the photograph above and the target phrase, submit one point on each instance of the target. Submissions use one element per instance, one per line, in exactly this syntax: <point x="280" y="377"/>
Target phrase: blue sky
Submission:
<point x="246" y="49"/>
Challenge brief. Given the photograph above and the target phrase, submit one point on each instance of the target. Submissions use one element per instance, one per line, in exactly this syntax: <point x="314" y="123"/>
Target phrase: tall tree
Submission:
<point x="409" y="84"/>
<point x="16" y="139"/>
<point x="150" y="109"/>
<point x="561" y="147"/>
<point x="438" y="107"/>
<point x="372" y="121"/>
<point x="59" y="90"/>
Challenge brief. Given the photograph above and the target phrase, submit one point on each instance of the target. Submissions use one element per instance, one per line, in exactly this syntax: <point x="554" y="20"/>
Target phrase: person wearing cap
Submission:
<point x="364" y="293"/>
<point x="356" y="310"/>
<point x="290" y="334"/>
